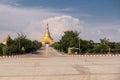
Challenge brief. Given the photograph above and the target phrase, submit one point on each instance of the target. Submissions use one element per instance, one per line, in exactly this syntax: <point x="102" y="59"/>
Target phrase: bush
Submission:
<point x="56" y="46"/>
<point x="5" y="50"/>
<point x="1" y="51"/>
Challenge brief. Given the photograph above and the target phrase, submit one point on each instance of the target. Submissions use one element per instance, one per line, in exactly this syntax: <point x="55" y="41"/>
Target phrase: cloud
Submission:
<point x="59" y="24"/>
<point x="32" y="22"/>
<point x="11" y="2"/>
<point x="118" y="30"/>
<point x="95" y="31"/>
<point x="15" y="20"/>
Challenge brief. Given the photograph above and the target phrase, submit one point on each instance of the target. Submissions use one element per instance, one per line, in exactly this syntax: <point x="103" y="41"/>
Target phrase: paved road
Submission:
<point x="48" y="64"/>
<point x="44" y="52"/>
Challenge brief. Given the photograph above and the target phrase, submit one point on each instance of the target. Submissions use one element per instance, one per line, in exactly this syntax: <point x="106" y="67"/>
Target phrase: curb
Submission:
<point x="9" y="56"/>
<point x="95" y="55"/>
<point x="101" y="55"/>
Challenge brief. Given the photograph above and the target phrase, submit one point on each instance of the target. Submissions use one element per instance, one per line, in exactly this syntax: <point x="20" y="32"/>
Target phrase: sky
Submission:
<point x="95" y="19"/>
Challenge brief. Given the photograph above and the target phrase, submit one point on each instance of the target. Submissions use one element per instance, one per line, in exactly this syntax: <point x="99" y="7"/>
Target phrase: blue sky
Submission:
<point x="94" y="18"/>
<point x="98" y="8"/>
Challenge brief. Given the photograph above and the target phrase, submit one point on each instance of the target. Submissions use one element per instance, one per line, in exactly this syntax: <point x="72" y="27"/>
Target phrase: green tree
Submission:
<point x="97" y="48"/>
<point x="22" y="41"/>
<point x="5" y="50"/>
<point x="1" y="51"/>
<point x="36" y="44"/>
<point x="117" y="48"/>
<point x="56" y="46"/>
<point x="69" y="39"/>
<point x="16" y="46"/>
<point x="86" y="46"/>
<point x="104" y="43"/>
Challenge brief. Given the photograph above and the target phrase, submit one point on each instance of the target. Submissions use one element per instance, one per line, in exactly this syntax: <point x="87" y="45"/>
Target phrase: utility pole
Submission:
<point x="60" y="43"/>
<point x="79" y="46"/>
<point x="19" y="43"/>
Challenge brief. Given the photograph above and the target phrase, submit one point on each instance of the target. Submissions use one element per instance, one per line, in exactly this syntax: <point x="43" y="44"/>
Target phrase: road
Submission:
<point x="49" y="64"/>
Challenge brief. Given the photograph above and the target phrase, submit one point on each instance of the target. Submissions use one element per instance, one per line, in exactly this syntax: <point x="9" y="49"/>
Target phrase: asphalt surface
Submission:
<point x="49" y="64"/>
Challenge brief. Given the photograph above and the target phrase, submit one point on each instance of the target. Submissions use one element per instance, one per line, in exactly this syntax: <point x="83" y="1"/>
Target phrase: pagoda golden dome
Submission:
<point x="47" y="39"/>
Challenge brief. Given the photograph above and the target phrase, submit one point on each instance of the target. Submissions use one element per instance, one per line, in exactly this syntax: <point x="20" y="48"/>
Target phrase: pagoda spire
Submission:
<point x="47" y="33"/>
<point x="47" y="39"/>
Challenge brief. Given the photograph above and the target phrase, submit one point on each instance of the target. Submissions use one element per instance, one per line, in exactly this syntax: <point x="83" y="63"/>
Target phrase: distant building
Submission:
<point x="6" y="40"/>
<point x="47" y="39"/>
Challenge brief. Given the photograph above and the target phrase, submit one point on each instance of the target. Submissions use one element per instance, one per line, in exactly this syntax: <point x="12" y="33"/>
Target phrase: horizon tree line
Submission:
<point x="20" y="45"/>
<point x="71" y="40"/>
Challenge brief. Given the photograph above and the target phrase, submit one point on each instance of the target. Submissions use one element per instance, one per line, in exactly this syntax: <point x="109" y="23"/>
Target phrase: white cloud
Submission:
<point x="59" y="24"/>
<point x="16" y="20"/>
<point x="93" y="31"/>
<point x="11" y="2"/>
<point x="118" y="30"/>
<point x="32" y="22"/>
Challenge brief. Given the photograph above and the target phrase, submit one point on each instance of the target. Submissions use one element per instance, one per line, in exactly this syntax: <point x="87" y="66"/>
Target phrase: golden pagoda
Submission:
<point x="6" y="40"/>
<point x="47" y="39"/>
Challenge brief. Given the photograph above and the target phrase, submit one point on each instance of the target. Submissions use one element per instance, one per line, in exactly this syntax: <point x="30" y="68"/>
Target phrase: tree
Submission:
<point x="5" y="50"/>
<point x="97" y="48"/>
<point x="1" y="51"/>
<point x="19" y="45"/>
<point x="117" y="47"/>
<point x="56" y="46"/>
<point x="86" y="46"/>
<point x="69" y="39"/>
<point x="29" y="46"/>
<point x="104" y="43"/>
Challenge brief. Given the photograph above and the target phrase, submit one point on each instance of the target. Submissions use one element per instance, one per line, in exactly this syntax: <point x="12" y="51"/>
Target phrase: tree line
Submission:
<point x="19" y="45"/>
<point x="71" y="40"/>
